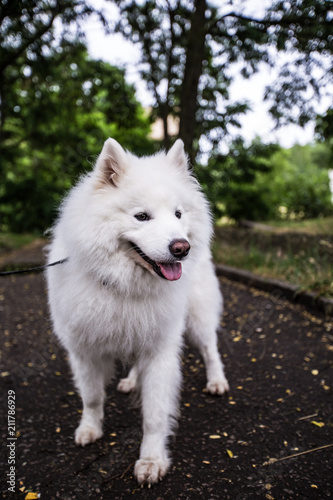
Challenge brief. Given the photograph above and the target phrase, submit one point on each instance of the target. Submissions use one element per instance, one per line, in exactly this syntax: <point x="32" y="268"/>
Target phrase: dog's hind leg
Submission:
<point x="129" y="383"/>
<point x="205" y="309"/>
<point x="89" y="378"/>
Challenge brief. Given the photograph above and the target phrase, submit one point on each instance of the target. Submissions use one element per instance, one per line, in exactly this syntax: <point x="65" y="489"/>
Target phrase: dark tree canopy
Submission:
<point x="189" y="48"/>
<point x="57" y="105"/>
<point x="27" y="34"/>
<point x="57" y="108"/>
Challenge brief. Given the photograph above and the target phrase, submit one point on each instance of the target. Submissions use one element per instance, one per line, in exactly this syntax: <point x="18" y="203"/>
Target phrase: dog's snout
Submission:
<point x="179" y="248"/>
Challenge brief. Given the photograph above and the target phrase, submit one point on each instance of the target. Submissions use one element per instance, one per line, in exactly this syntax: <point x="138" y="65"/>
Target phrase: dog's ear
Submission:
<point x="111" y="162"/>
<point x="177" y="155"/>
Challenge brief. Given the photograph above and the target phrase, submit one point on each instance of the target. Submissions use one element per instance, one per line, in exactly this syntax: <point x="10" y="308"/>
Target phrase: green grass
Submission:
<point x="308" y="270"/>
<point x="322" y="225"/>
<point x="12" y="241"/>
<point x="308" y="265"/>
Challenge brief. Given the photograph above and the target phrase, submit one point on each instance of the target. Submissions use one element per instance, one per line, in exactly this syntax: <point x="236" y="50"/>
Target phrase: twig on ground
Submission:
<point x="274" y="460"/>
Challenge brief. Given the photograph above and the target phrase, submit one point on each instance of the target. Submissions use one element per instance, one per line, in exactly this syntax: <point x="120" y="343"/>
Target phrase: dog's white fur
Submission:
<point x="107" y="303"/>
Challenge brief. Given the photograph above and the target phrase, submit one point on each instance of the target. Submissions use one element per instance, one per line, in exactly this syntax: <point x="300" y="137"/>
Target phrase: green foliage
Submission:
<point x="324" y="131"/>
<point x="59" y="115"/>
<point x="304" y="261"/>
<point x="57" y="106"/>
<point x="263" y="182"/>
<point x="230" y="181"/>
<point x="300" y="182"/>
<point x="192" y="50"/>
<point x="302" y="29"/>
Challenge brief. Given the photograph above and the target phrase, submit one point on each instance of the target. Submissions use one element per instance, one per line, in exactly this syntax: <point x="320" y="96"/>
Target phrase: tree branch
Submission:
<point x="13" y="56"/>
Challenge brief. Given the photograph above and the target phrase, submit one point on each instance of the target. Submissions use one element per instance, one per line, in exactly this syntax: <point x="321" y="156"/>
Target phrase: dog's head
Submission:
<point x="153" y="200"/>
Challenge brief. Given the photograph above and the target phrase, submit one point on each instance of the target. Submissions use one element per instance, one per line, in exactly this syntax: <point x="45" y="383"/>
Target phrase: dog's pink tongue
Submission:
<point x="171" y="271"/>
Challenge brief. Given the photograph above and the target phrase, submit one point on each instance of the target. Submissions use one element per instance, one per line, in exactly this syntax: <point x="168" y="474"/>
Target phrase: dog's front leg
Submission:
<point x="89" y="379"/>
<point x="160" y="379"/>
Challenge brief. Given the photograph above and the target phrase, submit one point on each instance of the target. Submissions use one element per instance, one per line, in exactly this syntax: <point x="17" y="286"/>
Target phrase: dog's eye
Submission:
<point x="178" y="214"/>
<point x="142" y="216"/>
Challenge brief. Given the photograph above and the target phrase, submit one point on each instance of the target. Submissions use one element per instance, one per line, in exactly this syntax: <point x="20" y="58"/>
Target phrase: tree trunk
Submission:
<point x="2" y="109"/>
<point x="193" y="69"/>
<point x="166" y="137"/>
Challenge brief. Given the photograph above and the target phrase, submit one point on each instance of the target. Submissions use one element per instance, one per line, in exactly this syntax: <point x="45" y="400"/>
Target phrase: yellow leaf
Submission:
<point x="318" y="424"/>
<point x="31" y="496"/>
<point x="214" y="436"/>
<point x="230" y="453"/>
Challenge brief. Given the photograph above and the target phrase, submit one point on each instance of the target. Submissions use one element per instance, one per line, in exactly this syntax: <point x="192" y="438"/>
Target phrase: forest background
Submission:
<point x="58" y="104"/>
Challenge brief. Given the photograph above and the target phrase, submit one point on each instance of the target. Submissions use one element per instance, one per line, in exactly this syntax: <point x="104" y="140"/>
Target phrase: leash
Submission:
<point x="33" y="269"/>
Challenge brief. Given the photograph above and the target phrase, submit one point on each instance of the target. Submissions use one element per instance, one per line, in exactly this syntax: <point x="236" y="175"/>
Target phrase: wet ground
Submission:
<point x="270" y="437"/>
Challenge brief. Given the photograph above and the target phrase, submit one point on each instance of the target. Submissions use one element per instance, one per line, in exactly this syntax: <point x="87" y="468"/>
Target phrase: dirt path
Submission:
<point x="278" y="360"/>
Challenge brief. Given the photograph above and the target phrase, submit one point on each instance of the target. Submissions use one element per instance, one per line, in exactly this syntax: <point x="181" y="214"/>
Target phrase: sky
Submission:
<point x="118" y="51"/>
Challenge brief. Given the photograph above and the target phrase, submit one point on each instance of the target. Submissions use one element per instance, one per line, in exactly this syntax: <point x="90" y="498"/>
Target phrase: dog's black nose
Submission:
<point x="179" y="248"/>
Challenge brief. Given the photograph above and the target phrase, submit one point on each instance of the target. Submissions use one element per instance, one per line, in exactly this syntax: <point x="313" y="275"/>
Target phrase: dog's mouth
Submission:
<point x="170" y="271"/>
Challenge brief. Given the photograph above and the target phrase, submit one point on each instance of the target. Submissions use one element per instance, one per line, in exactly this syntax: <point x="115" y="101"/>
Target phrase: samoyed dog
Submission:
<point x="136" y="234"/>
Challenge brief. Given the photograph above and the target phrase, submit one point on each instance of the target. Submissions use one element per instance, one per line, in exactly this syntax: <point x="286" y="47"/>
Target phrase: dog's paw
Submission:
<point x="126" y="385"/>
<point x="218" y="386"/>
<point x="150" y="471"/>
<point x="86" y="434"/>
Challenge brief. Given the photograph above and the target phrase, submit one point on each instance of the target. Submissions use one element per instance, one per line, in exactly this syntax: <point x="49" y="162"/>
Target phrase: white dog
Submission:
<point x="139" y="274"/>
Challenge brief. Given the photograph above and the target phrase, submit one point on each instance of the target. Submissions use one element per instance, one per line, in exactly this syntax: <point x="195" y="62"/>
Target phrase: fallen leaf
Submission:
<point x="230" y="453"/>
<point x="318" y="424"/>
